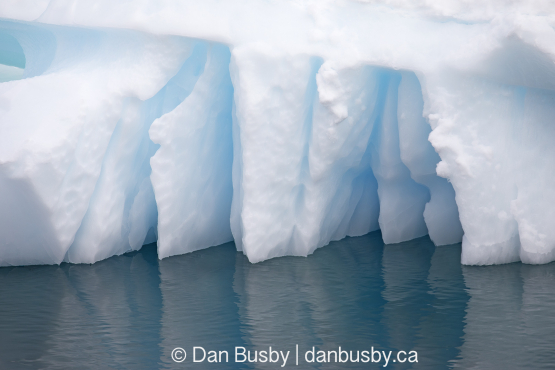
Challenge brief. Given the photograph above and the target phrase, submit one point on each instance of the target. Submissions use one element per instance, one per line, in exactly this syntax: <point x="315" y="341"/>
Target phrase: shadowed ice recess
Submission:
<point x="130" y="311"/>
<point x="117" y="133"/>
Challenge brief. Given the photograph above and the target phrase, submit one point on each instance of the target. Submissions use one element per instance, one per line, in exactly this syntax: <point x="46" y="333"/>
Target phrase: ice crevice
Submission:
<point x="114" y="138"/>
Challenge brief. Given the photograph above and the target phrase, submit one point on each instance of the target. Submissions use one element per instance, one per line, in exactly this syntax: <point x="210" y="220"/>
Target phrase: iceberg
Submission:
<point x="279" y="125"/>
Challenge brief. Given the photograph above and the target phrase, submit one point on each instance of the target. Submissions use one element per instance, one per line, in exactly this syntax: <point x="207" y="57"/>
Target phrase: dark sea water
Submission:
<point x="131" y="311"/>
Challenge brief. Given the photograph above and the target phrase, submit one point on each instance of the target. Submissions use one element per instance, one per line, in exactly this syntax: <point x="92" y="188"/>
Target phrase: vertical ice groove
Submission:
<point x="301" y="189"/>
<point x="191" y="171"/>
<point x="402" y="200"/>
<point x="270" y="110"/>
<point x="143" y="216"/>
<point x="105" y="227"/>
<point x="343" y="192"/>
<point x="235" y="219"/>
<point x="441" y="213"/>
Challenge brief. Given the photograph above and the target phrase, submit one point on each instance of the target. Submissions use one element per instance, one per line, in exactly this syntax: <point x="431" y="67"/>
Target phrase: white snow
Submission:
<point x="281" y="125"/>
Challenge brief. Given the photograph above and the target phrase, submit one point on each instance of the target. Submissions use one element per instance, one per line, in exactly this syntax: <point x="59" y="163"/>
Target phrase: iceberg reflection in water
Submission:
<point x="130" y="311"/>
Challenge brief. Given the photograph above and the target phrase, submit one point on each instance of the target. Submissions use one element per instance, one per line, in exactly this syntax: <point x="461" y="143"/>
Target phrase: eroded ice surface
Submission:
<point x="281" y="125"/>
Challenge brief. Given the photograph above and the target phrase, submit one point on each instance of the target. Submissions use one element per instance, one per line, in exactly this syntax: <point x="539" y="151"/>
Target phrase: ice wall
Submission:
<point x="279" y="125"/>
<point x="191" y="172"/>
<point x="75" y="147"/>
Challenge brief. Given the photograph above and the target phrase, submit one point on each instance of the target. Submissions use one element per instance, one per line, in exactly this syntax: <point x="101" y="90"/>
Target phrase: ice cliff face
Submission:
<point x="281" y="125"/>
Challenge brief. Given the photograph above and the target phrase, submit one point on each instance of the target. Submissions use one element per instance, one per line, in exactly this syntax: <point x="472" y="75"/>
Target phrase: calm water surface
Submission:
<point x="130" y="311"/>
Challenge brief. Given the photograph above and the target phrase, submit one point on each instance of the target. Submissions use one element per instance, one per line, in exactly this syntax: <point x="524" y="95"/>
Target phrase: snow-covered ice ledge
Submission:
<point x="281" y="125"/>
